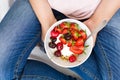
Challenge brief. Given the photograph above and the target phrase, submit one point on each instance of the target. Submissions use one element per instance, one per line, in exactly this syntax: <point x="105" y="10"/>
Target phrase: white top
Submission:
<point x="76" y="9"/>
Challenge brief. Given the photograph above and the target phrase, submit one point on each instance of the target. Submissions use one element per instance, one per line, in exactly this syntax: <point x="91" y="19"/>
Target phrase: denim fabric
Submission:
<point x="20" y="31"/>
<point x="104" y="62"/>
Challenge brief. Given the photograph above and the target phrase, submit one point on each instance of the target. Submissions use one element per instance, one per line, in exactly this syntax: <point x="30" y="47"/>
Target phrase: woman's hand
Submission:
<point x="103" y="12"/>
<point x="91" y="25"/>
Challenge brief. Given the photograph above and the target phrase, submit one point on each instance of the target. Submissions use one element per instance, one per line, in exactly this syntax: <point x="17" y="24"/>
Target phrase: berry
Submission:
<point x="54" y="34"/>
<point x="64" y="25"/>
<point x="77" y="49"/>
<point x="75" y="34"/>
<point x="70" y="43"/>
<point x="83" y="34"/>
<point x="52" y="45"/>
<point x="67" y="36"/>
<point x="58" y="29"/>
<point x="72" y="58"/>
<point x="53" y="39"/>
<point x="74" y="26"/>
<point x="65" y="30"/>
<point x="57" y="53"/>
<point x="79" y="42"/>
<point x="62" y="40"/>
<point x="59" y="46"/>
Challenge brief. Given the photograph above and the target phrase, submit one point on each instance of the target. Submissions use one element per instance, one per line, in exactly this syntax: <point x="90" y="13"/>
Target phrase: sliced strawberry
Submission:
<point x="65" y="30"/>
<point x="75" y="35"/>
<point x="58" y="29"/>
<point x="54" y="34"/>
<point x="72" y="31"/>
<point x="74" y="26"/>
<point x="62" y="40"/>
<point x="79" y="42"/>
<point x="59" y="46"/>
<point x="70" y="43"/>
<point x="64" y="25"/>
<point x="83" y="34"/>
<point x="72" y="58"/>
<point x="77" y="50"/>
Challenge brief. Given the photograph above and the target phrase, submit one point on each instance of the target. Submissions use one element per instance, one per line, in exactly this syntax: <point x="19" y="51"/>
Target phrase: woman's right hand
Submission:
<point x="46" y="26"/>
<point x="91" y="25"/>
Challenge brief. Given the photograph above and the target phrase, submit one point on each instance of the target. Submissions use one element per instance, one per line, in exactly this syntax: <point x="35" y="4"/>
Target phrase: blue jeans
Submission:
<point x="20" y="31"/>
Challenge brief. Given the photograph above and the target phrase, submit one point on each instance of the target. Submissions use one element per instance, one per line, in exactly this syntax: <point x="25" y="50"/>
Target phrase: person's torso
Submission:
<point x="78" y="9"/>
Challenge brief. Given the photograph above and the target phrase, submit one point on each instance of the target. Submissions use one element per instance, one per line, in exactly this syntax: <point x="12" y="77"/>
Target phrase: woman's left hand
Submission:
<point x="91" y="25"/>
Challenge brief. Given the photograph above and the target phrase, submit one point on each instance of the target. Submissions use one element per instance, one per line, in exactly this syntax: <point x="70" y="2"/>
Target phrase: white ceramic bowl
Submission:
<point x="82" y="57"/>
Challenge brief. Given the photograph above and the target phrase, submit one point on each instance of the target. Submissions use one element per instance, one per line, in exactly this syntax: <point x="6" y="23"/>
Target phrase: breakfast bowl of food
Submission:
<point x="67" y="44"/>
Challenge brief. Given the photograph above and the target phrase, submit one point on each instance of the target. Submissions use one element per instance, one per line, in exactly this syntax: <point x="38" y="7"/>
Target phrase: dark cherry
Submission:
<point x="57" y="53"/>
<point x="53" y="39"/>
<point x="67" y="36"/>
<point x="52" y="45"/>
<point x="59" y="46"/>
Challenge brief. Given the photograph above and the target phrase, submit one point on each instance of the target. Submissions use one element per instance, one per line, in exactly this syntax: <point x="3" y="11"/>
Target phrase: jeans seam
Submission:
<point x="105" y="59"/>
<point x="21" y="56"/>
<point x="88" y="73"/>
<point x="37" y="76"/>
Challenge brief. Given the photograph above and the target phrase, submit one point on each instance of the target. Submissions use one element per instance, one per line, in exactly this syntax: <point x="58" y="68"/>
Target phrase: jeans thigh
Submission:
<point x="104" y="62"/>
<point x="19" y="33"/>
<point x="36" y="70"/>
<point x="107" y="49"/>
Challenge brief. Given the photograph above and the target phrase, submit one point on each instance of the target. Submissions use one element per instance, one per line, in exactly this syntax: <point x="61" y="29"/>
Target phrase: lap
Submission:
<point x="19" y="33"/>
<point x="42" y="71"/>
<point x="107" y="48"/>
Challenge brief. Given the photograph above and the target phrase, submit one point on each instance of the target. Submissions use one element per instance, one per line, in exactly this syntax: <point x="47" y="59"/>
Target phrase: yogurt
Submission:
<point x="65" y="51"/>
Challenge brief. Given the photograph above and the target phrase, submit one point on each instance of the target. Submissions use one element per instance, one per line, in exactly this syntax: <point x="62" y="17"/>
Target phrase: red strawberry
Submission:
<point x="75" y="35"/>
<point x="72" y="58"/>
<point x="72" y="31"/>
<point x="62" y="40"/>
<point x="79" y="42"/>
<point x="74" y="26"/>
<point x="64" y="25"/>
<point x="54" y="34"/>
<point x="59" y="46"/>
<point x="57" y="29"/>
<point x="83" y="34"/>
<point x="70" y="43"/>
<point x="77" y="50"/>
<point x="65" y="30"/>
